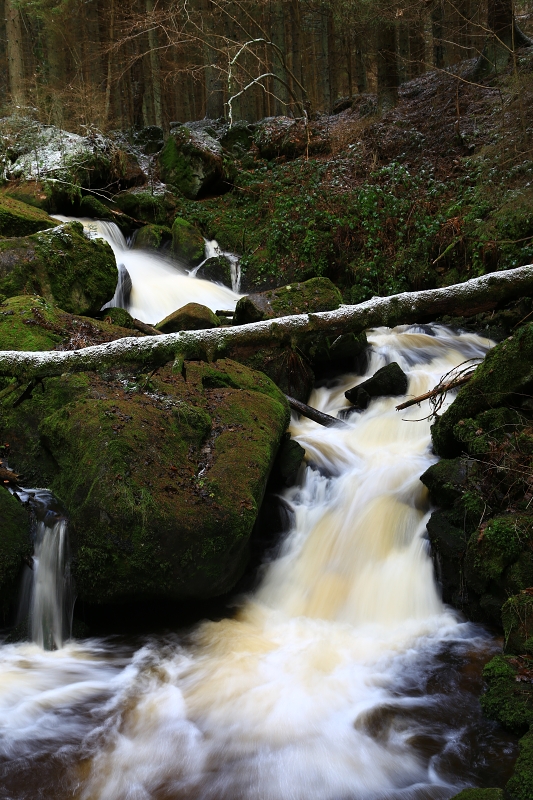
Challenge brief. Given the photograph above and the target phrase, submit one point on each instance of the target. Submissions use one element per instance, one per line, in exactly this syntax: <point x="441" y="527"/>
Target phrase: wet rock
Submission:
<point x="15" y="546"/>
<point x="118" y="316"/>
<point x="62" y="265"/>
<point x="191" y="162"/>
<point x="239" y="138"/>
<point x="447" y="479"/>
<point x="20" y="219"/>
<point x="520" y="786"/>
<point x="388" y="381"/>
<point x="316" y="294"/>
<point x="191" y="317"/>
<point x="91" y="207"/>
<point x="145" y="206"/>
<point x="290" y="457"/>
<point x="504" y="378"/>
<point x="509" y="696"/>
<point x="152" y="237"/>
<point x="162" y="474"/>
<point x="150" y="139"/>
<point x="217" y="269"/>
<point x="187" y="242"/>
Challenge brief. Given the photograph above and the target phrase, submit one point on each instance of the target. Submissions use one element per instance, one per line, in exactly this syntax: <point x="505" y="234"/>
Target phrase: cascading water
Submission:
<point x="343" y="676"/>
<point x="151" y="286"/>
<point x="46" y="601"/>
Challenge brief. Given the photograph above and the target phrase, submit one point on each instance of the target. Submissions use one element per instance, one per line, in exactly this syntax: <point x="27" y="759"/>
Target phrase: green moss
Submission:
<point x="62" y="265"/>
<point x="119" y="316"/>
<point x="504" y="377"/>
<point x="90" y="206"/>
<point x="154" y="209"/>
<point x="153" y="237"/>
<point x="23" y="328"/>
<point x="508" y="700"/>
<point x="314" y="295"/>
<point x="490" y="551"/>
<point x="520" y="786"/>
<point x="20" y="219"/>
<point x="480" y="794"/>
<point x="191" y="317"/>
<point x="187" y="242"/>
<point x="162" y="480"/>
<point x="176" y="168"/>
<point x="15" y="544"/>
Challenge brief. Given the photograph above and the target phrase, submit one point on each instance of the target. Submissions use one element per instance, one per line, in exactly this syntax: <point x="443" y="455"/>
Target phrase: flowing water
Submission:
<point x="152" y="286"/>
<point x="342" y="677"/>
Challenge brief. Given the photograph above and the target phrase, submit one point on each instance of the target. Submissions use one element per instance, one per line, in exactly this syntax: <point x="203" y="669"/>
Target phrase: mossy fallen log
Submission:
<point x="464" y="299"/>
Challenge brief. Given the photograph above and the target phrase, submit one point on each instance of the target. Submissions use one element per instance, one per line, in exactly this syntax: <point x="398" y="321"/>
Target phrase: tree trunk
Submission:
<point x="214" y="87"/>
<point x="15" y="60"/>
<point x="437" y="30"/>
<point x="155" y="66"/>
<point x="278" y="67"/>
<point x="417" y="48"/>
<point x="303" y="332"/>
<point x="387" y="66"/>
<point x="506" y="38"/>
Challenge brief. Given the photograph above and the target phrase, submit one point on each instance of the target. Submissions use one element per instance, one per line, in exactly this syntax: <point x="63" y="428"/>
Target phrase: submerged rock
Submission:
<point x="217" y="269"/>
<point x="389" y="381"/>
<point x="316" y="294"/>
<point x="20" y="219"/>
<point x="162" y="475"/>
<point x="15" y="545"/>
<point x="192" y="317"/>
<point x="62" y="265"/>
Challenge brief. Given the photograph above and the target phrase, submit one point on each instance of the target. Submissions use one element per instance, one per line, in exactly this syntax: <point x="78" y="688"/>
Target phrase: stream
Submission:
<point x="343" y="676"/>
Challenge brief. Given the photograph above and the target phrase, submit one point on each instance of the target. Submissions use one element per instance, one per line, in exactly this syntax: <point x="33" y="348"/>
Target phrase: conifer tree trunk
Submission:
<point x="387" y="65"/>
<point x="15" y="59"/>
<point x="214" y="89"/>
<point x="155" y="67"/>
<point x="506" y="38"/>
<point x="278" y="38"/>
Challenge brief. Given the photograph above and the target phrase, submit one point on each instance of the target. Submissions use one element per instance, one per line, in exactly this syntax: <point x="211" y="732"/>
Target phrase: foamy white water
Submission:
<point x="159" y="285"/>
<point x="316" y="689"/>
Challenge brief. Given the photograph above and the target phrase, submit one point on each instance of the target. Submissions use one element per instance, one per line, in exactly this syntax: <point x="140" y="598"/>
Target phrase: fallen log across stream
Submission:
<point x="463" y="299"/>
<point x="314" y="414"/>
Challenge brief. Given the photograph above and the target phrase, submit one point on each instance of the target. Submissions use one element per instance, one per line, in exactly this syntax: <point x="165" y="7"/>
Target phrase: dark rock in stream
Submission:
<point x="217" y="269"/>
<point x="15" y="546"/>
<point x="162" y="474"/>
<point x="389" y="381"/>
<point x="316" y="294"/>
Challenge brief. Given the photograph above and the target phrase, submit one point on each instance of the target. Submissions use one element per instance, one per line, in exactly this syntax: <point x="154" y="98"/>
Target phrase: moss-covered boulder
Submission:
<point x="316" y="294"/>
<point x="155" y="209"/>
<point x="153" y="237"/>
<point x="162" y="476"/>
<point x="498" y="558"/>
<point x="15" y="545"/>
<point x="33" y="323"/>
<point x="187" y="242"/>
<point x="509" y="695"/>
<point x="20" y="219"/>
<point x="191" y="162"/>
<point x="191" y="317"/>
<point x="505" y="378"/>
<point x="91" y="206"/>
<point x="64" y="266"/>
<point x="520" y="786"/>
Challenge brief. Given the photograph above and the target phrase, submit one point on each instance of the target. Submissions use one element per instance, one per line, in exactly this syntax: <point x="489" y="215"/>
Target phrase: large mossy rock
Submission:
<point x="520" y="786"/>
<point x="152" y="237"/>
<point x="187" y="242"/>
<point x="162" y="476"/>
<point x="62" y="265"/>
<point x="191" y="317"/>
<point x="147" y="207"/>
<point x="480" y="794"/>
<point x="504" y="378"/>
<point x="33" y="323"/>
<point x="191" y="162"/>
<point x="15" y="544"/>
<point x="20" y="219"/>
<point x="316" y="294"/>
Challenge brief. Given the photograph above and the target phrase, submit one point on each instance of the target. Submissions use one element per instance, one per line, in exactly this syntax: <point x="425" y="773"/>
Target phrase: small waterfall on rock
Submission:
<point x="157" y="285"/>
<point x="49" y="620"/>
<point x="46" y="601"/>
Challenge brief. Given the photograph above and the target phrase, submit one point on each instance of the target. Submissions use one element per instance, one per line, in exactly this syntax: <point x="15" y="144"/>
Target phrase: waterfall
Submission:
<point x="158" y="285"/>
<point x="50" y="623"/>
<point x="337" y="677"/>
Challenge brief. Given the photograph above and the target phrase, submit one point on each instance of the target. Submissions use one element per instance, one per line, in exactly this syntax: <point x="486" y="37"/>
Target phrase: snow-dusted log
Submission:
<point x="463" y="299"/>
